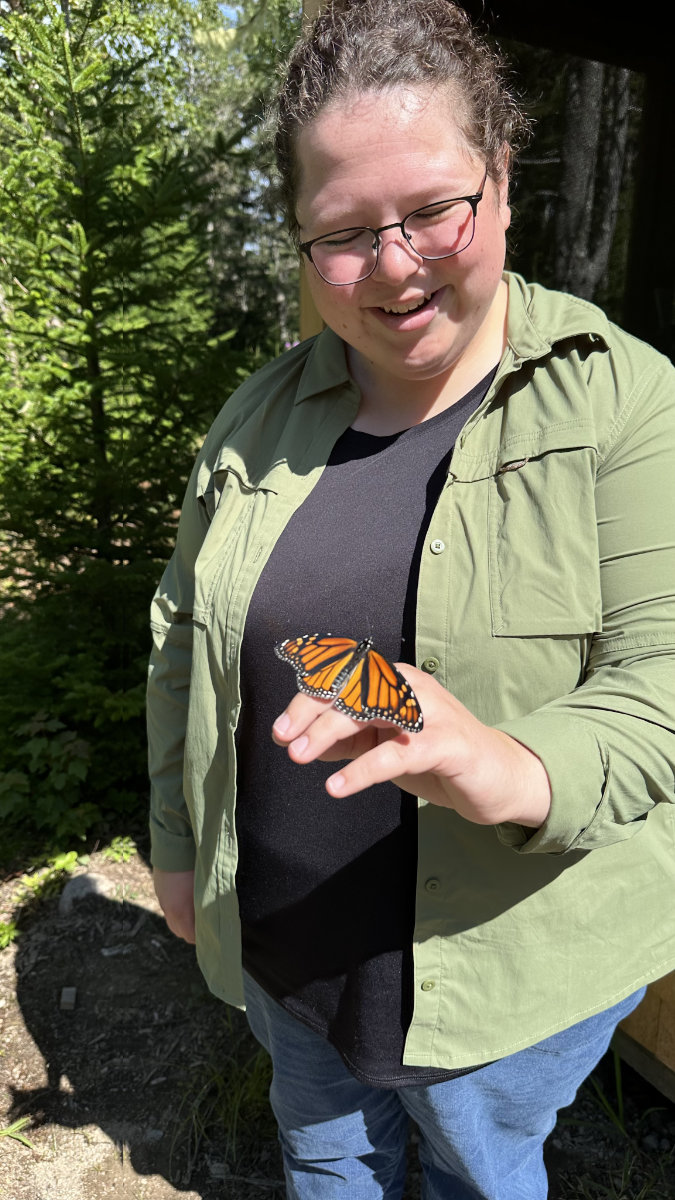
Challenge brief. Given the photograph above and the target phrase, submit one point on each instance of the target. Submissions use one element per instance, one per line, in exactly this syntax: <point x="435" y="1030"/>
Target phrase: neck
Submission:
<point x="390" y="403"/>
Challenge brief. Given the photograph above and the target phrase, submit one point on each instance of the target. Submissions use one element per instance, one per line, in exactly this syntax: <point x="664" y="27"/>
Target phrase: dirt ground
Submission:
<point x="148" y="1088"/>
<point x="119" y="1087"/>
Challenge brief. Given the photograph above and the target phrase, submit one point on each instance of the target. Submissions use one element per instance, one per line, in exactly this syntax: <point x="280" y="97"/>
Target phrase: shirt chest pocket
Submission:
<point x="542" y="541"/>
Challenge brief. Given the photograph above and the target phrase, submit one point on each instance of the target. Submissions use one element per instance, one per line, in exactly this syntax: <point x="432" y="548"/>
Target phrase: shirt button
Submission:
<point x="437" y="546"/>
<point x="431" y="665"/>
<point x="433" y="884"/>
<point x="428" y="985"/>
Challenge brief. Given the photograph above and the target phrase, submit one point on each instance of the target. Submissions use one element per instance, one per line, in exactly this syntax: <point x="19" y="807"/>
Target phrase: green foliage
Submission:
<point x="111" y="370"/>
<point x="56" y="766"/>
<point x="142" y="275"/>
<point x="47" y="880"/>
<point x="44" y="881"/>
<point x="121" y="849"/>
<point x="14" y="1131"/>
<point x="9" y="932"/>
<point x="254" y="267"/>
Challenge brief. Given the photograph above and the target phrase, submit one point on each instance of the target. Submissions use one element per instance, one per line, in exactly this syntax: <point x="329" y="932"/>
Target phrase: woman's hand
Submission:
<point x="455" y="761"/>
<point x="175" y="892"/>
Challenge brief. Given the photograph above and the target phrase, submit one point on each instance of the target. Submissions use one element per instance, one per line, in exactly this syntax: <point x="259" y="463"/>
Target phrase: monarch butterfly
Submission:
<point x="359" y="681"/>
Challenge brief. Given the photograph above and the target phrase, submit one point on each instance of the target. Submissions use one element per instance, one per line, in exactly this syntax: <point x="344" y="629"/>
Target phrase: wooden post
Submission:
<point x="310" y="8"/>
<point x="646" y="1039"/>
<point x="310" y="321"/>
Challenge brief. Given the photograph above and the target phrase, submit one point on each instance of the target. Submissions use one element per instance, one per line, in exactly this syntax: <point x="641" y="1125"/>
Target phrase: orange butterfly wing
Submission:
<point x="320" y="662"/>
<point x="360" y="681"/>
<point x="376" y="689"/>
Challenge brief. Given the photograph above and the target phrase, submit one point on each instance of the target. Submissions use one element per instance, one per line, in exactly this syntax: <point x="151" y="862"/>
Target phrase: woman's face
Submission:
<point x="371" y="160"/>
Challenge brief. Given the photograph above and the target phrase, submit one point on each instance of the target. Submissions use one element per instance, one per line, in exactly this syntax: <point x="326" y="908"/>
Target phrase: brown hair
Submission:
<point x="372" y="45"/>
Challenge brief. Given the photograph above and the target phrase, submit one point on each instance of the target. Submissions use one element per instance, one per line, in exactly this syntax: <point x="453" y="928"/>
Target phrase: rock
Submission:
<point x="68" y="998"/>
<point x="80" y="886"/>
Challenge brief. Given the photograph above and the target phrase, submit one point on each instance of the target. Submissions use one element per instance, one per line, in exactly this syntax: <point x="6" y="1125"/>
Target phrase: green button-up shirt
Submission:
<point x="546" y="604"/>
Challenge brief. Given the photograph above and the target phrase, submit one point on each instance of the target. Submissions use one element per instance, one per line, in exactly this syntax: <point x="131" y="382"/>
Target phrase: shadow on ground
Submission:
<point x="146" y="1056"/>
<point x="151" y="1089"/>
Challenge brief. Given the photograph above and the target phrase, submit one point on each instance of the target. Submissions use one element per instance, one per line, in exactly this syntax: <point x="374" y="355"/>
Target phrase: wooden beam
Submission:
<point x="645" y="1063"/>
<point x="310" y="321"/>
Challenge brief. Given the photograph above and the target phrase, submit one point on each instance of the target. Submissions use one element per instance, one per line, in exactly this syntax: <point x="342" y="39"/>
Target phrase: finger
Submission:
<point x="332" y="733"/>
<point x="297" y="717"/>
<point x="392" y="758"/>
<point x="350" y="747"/>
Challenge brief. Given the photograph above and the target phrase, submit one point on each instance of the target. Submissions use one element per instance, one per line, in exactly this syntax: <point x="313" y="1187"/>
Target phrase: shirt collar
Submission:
<point x="537" y="320"/>
<point x="325" y="368"/>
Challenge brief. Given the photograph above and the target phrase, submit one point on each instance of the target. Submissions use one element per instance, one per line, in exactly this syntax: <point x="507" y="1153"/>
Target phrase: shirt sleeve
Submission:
<point x="609" y="746"/>
<point x="172" y="842"/>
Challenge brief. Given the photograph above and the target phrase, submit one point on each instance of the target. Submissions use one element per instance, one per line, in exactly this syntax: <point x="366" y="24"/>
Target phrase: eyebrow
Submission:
<point x="334" y="225"/>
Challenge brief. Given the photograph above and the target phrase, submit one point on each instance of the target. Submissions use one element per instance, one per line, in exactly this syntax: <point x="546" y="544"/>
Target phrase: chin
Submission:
<point x="427" y="367"/>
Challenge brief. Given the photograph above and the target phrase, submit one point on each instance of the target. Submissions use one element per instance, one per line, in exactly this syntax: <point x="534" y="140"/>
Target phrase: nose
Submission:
<point x="397" y="260"/>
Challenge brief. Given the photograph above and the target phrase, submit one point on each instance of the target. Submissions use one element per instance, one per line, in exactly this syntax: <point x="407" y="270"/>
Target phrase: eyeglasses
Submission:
<point x="435" y="231"/>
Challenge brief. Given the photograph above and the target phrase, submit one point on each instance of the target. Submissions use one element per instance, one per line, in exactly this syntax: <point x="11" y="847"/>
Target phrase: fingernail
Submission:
<point x="337" y="782"/>
<point x="282" y="723"/>
<point x="300" y="743"/>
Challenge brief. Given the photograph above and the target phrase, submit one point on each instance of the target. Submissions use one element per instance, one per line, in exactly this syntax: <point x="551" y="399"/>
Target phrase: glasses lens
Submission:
<point x="441" y="229"/>
<point x="346" y="257"/>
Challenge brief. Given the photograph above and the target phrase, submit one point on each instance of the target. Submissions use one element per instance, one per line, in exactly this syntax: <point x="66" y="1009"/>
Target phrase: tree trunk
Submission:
<point x="593" y="155"/>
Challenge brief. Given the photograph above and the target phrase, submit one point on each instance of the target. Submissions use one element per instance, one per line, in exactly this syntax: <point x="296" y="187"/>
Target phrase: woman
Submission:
<point x="478" y="474"/>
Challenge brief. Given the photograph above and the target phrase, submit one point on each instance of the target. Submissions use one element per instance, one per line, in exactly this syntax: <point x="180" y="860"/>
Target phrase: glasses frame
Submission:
<point x="474" y="200"/>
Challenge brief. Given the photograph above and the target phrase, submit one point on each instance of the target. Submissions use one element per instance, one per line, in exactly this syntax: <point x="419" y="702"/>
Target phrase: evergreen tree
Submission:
<point x="254" y="266"/>
<point x="109" y="376"/>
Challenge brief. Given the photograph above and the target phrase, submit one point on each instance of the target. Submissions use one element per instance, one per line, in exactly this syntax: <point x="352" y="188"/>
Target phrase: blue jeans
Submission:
<point x="481" y="1135"/>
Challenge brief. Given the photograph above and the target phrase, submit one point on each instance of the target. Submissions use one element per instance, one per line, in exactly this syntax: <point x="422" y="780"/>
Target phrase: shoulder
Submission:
<point x="277" y="382"/>
<point x="596" y="368"/>
<point x="260" y="406"/>
<point x="552" y="318"/>
<point x="264" y="429"/>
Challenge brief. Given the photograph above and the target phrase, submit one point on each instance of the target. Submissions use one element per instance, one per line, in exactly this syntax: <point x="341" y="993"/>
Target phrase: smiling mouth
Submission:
<point x="400" y="310"/>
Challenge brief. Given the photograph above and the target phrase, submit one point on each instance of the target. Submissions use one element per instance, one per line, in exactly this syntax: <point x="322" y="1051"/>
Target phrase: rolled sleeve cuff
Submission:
<point x="170" y="851"/>
<point x="578" y="773"/>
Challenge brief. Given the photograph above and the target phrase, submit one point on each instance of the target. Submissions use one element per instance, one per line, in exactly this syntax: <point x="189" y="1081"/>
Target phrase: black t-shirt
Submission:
<point x="326" y="887"/>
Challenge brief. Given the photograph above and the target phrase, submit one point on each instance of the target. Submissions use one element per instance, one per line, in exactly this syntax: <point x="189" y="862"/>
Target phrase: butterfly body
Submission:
<point x="357" y="678"/>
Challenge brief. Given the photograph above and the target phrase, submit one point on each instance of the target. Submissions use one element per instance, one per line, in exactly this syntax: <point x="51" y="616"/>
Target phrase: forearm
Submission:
<point x="609" y="751"/>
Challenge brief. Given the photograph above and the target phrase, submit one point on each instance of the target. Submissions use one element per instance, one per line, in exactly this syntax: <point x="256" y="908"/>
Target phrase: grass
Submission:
<point x="634" y="1180"/>
<point x="616" y="1114"/>
<point x="633" y="1170"/>
<point x="14" y="1131"/>
<point x="225" y="1107"/>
